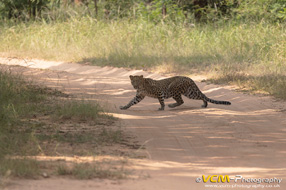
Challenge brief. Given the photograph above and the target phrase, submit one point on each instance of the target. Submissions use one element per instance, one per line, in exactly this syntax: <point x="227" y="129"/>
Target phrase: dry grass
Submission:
<point x="220" y="49"/>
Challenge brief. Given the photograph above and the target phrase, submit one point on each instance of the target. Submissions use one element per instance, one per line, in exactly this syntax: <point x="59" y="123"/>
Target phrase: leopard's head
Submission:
<point x="136" y="81"/>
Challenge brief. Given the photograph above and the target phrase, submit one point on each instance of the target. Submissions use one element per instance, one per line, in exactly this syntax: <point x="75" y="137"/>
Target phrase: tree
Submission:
<point x="19" y="8"/>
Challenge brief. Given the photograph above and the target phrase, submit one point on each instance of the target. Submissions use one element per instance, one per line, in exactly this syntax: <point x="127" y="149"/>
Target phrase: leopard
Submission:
<point x="173" y="87"/>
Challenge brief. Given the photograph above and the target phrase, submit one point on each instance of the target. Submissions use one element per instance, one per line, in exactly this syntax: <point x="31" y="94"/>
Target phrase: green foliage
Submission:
<point x="278" y="9"/>
<point x="254" y="10"/>
<point x="118" y="8"/>
<point x="151" y="10"/>
<point x="22" y="9"/>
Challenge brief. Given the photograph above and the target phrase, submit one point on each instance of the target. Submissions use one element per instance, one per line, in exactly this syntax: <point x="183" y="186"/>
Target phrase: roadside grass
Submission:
<point x="89" y="171"/>
<point x="22" y="168"/>
<point x="79" y="110"/>
<point x="16" y="101"/>
<point x="270" y="84"/>
<point x="257" y="78"/>
<point x="219" y="50"/>
<point x="36" y="120"/>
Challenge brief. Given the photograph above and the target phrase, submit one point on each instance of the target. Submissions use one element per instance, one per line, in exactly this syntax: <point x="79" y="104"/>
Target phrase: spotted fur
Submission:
<point x="173" y="87"/>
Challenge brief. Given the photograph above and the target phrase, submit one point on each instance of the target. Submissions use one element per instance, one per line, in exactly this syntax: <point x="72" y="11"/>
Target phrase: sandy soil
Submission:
<point x="182" y="144"/>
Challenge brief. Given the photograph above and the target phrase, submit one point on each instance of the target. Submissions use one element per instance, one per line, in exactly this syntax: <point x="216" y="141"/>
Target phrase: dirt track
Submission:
<point x="246" y="138"/>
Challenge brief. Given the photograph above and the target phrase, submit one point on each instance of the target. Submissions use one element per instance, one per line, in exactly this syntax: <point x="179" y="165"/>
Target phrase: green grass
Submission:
<point x="79" y="110"/>
<point x="220" y="49"/>
<point x="22" y="168"/>
<point x="102" y="136"/>
<point x="89" y="171"/>
<point x="17" y="100"/>
<point x="31" y="116"/>
<point x="272" y="84"/>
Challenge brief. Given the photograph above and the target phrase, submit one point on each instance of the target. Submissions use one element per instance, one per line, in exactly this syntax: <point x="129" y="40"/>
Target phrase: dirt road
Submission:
<point x="182" y="144"/>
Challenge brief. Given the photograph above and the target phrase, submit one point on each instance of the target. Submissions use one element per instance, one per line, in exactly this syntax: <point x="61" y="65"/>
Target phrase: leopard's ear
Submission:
<point x="131" y="77"/>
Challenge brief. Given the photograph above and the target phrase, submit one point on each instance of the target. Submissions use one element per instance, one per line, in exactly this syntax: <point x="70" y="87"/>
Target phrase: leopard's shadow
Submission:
<point x="178" y="109"/>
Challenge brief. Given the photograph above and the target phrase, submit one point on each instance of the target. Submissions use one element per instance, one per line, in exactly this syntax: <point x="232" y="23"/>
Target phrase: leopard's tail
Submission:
<point x="217" y="101"/>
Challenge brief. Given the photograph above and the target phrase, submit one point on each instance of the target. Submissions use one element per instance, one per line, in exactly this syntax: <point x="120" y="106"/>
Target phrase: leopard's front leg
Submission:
<point x="161" y="100"/>
<point x="134" y="101"/>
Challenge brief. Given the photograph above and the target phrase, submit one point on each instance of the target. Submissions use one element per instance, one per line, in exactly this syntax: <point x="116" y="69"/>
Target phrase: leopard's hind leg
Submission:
<point x="205" y="104"/>
<point x="179" y="101"/>
<point x="194" y="93"/>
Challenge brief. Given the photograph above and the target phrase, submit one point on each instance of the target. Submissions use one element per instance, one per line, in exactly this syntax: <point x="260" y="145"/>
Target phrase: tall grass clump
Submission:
<point x="17" y="100"/>
<point x="82" y="110"/>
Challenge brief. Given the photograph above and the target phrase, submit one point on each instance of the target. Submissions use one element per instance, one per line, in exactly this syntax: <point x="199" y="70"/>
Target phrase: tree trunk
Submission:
<point x="34" y="9"/>
<point x="30" y="9"/>
<point x="10" y="14"/>
<point x="164" y="10"/>
<point x="95" y="7"/>
<point x="39" y="8"/>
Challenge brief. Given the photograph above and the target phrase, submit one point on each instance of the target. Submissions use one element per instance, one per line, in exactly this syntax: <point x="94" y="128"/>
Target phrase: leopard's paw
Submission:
<point x="123" y="108"/>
